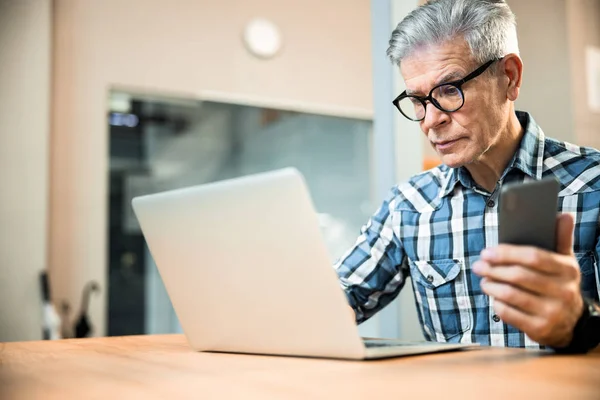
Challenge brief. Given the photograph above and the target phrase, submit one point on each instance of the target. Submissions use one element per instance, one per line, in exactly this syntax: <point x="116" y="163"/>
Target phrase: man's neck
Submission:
<point x="486" y="171"/>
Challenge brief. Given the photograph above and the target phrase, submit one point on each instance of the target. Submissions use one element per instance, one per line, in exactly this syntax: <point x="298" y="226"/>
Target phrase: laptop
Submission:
<point x="247" y="271"/>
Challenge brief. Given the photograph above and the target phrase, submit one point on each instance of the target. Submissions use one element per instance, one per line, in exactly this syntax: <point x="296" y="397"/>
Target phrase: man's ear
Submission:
<point x="512" y="67"/>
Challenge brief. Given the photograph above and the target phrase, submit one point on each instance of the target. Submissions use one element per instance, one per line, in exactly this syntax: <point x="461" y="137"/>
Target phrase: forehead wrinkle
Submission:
<point x="448" y="77"/>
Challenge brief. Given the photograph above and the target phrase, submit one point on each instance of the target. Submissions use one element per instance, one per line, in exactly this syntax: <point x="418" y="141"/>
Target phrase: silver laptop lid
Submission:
<point x="246" y="267"/>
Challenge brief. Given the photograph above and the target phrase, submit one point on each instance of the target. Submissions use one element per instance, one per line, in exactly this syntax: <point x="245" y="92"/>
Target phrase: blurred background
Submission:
<point x="101" y="101"/>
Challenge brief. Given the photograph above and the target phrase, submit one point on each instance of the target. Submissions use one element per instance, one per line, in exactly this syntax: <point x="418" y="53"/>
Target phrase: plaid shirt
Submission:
<point x="433" y="228"/>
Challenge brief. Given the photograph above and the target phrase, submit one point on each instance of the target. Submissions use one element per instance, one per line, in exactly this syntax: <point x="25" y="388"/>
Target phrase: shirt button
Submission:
<point x="496" y="318"/>
<point x="491" y="204"/>
<point x="429" y="278"/>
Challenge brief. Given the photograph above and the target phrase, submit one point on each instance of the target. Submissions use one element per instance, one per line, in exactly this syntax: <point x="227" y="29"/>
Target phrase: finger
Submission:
<point x="510" y="315"/>
<point x="527" y="256"/>
<point x="525" y="278"/>
<point x="565" y="226"/>
<point x="513" y="296"/>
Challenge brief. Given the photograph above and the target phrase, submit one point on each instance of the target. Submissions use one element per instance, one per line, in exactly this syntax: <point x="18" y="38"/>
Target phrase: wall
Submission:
<point x="583" y="20"/>
<point x="24" y="131"/>
<point x="186" y="48"/>
<point x="546" y="89"/>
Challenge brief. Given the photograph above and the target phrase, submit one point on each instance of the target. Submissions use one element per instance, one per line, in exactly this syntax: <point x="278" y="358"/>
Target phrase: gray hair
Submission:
<point x="488" y="27"/>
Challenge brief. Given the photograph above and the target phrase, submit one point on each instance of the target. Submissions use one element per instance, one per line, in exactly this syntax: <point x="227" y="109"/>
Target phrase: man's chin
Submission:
<point x="453" y="160"/>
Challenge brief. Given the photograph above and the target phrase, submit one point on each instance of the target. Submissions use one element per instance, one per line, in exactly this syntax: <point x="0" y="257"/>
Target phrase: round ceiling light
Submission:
<point x="262" y="38"/>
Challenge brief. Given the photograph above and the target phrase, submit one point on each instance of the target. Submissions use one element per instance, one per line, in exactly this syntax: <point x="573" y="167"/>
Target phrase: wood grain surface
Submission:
<point x="164" y="366"/>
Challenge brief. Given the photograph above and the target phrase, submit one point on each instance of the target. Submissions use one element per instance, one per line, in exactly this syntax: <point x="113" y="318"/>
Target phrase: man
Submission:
<point x="460" y="62"/>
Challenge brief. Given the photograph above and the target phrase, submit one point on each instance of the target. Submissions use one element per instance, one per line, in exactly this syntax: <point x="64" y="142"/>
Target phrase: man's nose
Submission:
<point x="434" y="117"/>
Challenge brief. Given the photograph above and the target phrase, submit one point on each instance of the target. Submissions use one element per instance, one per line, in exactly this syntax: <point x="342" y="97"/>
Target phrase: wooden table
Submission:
<point x="164" y="366"/>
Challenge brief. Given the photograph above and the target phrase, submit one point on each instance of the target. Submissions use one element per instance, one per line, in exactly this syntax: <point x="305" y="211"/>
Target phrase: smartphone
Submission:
<point x="528" y="212"/>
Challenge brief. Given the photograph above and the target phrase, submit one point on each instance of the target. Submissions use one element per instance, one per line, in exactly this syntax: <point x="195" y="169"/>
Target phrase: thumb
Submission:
<point x="565" y="225"/>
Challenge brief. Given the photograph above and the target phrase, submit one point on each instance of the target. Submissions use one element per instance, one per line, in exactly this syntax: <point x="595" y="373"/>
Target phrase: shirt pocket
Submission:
<point x="587" y="264"/>
<point x="442" y="298"/>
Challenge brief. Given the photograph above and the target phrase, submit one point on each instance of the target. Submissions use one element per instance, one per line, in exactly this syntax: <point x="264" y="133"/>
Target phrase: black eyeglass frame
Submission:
<point x="457" y="84"/>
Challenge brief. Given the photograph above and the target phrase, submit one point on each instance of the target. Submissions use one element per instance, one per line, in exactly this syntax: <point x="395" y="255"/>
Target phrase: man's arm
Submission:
<point x="370" y="272"/>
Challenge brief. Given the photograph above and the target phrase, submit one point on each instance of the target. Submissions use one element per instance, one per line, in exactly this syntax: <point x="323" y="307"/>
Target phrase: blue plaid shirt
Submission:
<point x="433" y="228"/>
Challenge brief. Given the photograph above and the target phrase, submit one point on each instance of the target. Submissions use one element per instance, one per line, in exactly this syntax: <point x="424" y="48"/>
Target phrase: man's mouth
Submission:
<point x="445" y="144"/>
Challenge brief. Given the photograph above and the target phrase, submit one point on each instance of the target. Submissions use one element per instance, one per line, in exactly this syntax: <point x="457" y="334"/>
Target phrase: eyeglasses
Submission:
<point x="447" y="97"/>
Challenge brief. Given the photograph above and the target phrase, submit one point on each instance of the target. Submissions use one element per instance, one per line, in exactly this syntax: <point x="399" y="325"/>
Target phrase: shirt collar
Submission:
<point x="529" y="157"/>
<point x="450" y="182"/>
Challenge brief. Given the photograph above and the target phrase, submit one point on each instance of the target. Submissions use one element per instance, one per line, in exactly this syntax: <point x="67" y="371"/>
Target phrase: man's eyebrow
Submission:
<point x="450" y="77"/>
